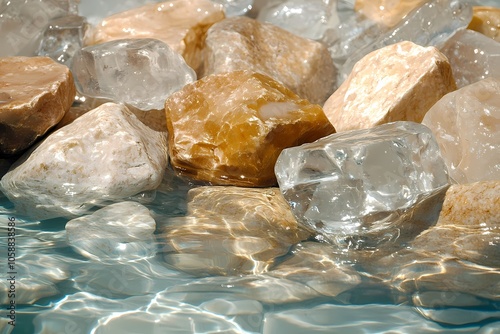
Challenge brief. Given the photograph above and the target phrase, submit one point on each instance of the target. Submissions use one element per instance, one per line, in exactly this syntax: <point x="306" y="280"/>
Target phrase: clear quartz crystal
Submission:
<point x="22" y="23"/>
<point x="63" y="38"/>
<point x="140" y="72"/>
<point x="430" y="25"/>
<point x="235" y="7"/>
<point x="96" y="10"/>
<point x="361" y="181"/>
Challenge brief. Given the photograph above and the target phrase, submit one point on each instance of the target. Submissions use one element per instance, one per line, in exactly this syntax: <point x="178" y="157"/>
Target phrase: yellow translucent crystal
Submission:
<point x="387" y="12"/>
<point x="486" y="20"/>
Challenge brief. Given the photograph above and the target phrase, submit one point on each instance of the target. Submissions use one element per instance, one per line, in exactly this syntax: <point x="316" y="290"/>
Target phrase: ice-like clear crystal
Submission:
<point x="235" y="7"/>
<point x="357" y="182"/>
<point x="473" y="57"/>
<point x="310" y="19"/>
<point x="140" y="72"/>
<point x="430" y="25"/>
<point x="63" y="38"/>
<point x="96" y="10"/>
<point x="22" y="23"/>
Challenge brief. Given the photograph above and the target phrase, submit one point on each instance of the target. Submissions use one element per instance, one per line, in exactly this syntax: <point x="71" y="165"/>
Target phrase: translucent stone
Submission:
<point x="466" y="124"/>
<point x="309" y="19"/>
<point x="486" y="20"/>
<point x="473" y="57"/>
<point x="63" y="38"/>
<point x="22" y="23"/>
<point x="96" y="10"/>
<point x="387" y="12"/>
<point x="235" y="7"/>
<point x="229" y="128"/>
<point x="429" y="25"/>
<point x="140" y="72"/>
<point x="358" y="182"/>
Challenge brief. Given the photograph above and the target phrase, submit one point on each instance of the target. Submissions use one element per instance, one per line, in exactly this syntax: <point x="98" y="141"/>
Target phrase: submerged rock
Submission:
<point x="106" y="154"/>
<point x="228" y="129"/>
<point x="35" y="93"/>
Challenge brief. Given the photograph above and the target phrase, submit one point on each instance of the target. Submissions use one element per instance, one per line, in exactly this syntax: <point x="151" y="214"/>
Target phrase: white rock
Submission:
<point x="106" y="154"/>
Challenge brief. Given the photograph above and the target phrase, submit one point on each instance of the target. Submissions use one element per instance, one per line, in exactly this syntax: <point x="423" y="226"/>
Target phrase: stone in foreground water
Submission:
<point x="35" y="93"/>
<point x="473" y="57"/>
<point x="140" y="72"/>
<point x="466" y="124"/>
<point x="358" y="182"/>
<point x="182" y="24"/>
<point x="241" y="43"/>
<point x="399" y="82"/>
<point x="228" y="129"/>
<point x="231" y="231"/>
<point x="106" y="154"/>
<point x="486" y="20"/>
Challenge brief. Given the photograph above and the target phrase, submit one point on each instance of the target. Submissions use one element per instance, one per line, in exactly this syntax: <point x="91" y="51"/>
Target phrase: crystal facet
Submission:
<point x="360" y="181"/>
<point x="140" y="72"/>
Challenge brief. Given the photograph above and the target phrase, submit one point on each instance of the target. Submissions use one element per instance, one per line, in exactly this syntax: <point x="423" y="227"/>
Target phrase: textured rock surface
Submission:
<point x="120" y="231"/>
<point x="473" y="57"/>
<point x="399" y="82"/>
<point x="466" y="124"/>
<point x="106" y="154"/>
<point x="140" y="72"/>
<point x="486" y="20"/>
<point x="181" y="24"/>
<point x="241" y="43"/>
<point x="387" y="12"/>
<point x="35" y="93"/>
<point x="228" y="129"/>
<point x="231" y="231"/>
<point x="361" y="182"/>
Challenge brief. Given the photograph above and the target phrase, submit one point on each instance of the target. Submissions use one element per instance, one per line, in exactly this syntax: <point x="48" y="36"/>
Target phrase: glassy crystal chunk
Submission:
<point x="360" y="181"/>
<point x="141" y="72"/>
<point x="235" y="7"/>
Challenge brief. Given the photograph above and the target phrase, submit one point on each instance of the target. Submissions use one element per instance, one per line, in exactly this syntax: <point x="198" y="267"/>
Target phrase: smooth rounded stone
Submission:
<point x="387" y="12"/>
<point x="382" y="89"/>
<point x="120" y="231"/>
<point x="486" y="20"/>
<point x="35" y="93"/>
<point x="231" y="231"/>
<point x="235" y="7"/>
<point x="229" y="128"/>
<point x="309" y="19"/>
<point x="140" y="72"/>
<point x="242" y="43"/>
<point x="106" y="154"/>
<point x="457" y="316"/>
<point x="362" y="184"/>
<point x="96" y="10"/>
<point x="182" y="24"/>
<point x="435" y="299"/>
<point x="466" y="124"/>
<point x="473" y="57"/>
<point x="317" y="266"/>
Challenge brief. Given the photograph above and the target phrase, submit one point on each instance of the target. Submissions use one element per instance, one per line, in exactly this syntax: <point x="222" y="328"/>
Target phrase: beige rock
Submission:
<point x="228" y="129"/>
<point x="181" y="24"/>
<point x="231" y="231"/>
<point x="241" y="43"/>
<point x="35" y="93"/>
<point x="486" y="20"/>
<point x="466" y="124"/>
<point x="399" y="82"/>
<point x="387" y="12"/>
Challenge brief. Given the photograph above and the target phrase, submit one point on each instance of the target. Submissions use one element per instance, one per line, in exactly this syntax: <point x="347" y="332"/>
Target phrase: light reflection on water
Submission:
<point x="312" y="289"/>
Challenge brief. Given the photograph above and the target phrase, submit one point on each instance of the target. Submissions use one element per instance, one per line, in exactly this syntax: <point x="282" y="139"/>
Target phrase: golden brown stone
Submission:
<point x="241" y="43"/>
<point x="181" y="24"/>
<point x="387" y="12"/>
<point x="35" y="92"/>
<point x="399" y="82"/>
<point x="486" y="20"/>
<point x="231" y="230"/>
<point x="228" y="129"/>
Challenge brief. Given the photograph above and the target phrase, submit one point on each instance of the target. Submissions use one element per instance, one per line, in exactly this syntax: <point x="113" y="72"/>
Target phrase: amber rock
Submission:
<point x="387" y="12"/>
<point x="241" y="43"/>
<point x="399" y="82"/>
<point x="35" y="93"/>
<point x="228" y="129"/>
<point x="486" y="20"/>
<point x="182" y="24"/>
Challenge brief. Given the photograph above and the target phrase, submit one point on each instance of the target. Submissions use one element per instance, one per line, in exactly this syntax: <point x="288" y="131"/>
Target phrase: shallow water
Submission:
<point x="59" y="290"/>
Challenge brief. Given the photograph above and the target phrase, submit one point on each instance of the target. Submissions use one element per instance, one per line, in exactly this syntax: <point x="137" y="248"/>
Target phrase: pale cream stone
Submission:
<point x="231" y="231"/>
<point x="387" y="12"/>
<point x="106" y="154"/>
<point x="181" y="24"/>
<point x="35" y="93"/>
<point x="466" y="124"/>
<point x="241" y="43"/>
<point x="486" y="20"/>
<point x="399" y="82"/>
